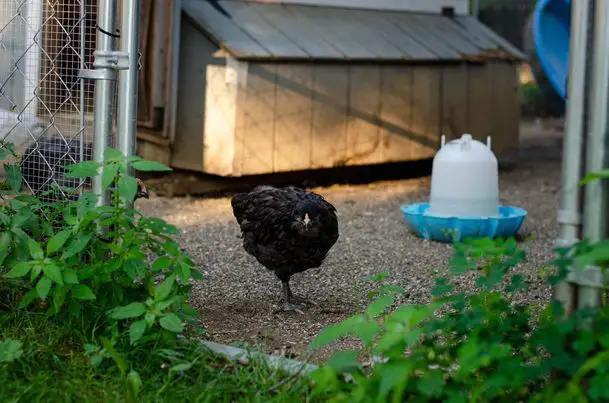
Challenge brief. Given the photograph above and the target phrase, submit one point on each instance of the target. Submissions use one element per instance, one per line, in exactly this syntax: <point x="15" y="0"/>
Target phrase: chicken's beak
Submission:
<point x="306" y="220"/>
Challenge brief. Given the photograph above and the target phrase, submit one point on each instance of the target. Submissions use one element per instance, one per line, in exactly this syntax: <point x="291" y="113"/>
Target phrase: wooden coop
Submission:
<point x="261" y="87"/>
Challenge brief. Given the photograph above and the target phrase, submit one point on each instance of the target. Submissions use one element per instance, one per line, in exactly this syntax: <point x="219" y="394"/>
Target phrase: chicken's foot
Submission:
<point x="293" y="303"/>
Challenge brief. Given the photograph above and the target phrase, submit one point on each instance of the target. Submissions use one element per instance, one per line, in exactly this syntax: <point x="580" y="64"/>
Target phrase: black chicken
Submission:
<point x="288" y="230"/>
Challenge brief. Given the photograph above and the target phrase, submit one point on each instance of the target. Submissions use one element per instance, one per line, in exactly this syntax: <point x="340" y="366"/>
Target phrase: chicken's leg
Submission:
<point x="292" y="303"/>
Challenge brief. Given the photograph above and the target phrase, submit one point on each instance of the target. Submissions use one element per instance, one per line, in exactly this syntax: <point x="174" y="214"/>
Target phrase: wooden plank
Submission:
<point x="293" y="117"/>
<point x="454" y="101"/>
<point x="223" y="30"/>
<point x="195" y="56"/>
<point x="409" y="45"/>
<point x="480" y="101"/>
<point x="426" y="110"/>
<point x="408" y="24"/>
<point x="330" y="98"/>
<point x="506" y="106"/>
<point x="219" y="122"/>
<point x="396" y="113"/>
<point x="259" y="120"/>
<point x="298" y="31"/>
<point x="364" y="134"/>
<point x="264" y="33"/>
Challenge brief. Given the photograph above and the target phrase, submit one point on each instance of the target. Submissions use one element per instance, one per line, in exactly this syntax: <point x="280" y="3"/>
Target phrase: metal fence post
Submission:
<point x="569" y="215"/>
<point x="128" y="78"/>
<point x="105" y="74"/>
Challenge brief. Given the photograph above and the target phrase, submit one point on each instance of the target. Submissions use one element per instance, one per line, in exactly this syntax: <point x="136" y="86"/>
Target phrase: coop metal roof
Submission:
<point x="251" y="30"/>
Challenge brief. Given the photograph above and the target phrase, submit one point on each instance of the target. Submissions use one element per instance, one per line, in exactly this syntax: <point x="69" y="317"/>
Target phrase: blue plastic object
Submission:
<point x="456" y="229"/>
<point x="550" y="26"/>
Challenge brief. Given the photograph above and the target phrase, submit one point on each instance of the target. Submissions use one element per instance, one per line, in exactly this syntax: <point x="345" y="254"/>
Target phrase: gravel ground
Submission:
<point x="238" y="296"/>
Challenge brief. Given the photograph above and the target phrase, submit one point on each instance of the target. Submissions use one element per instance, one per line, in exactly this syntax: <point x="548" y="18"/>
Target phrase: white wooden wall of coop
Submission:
<point x="262" y="118"/>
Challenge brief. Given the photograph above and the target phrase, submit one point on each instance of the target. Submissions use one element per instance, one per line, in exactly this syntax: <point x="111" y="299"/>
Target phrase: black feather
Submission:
<point x="268" y="218"/>
<point x="42" y="166"/>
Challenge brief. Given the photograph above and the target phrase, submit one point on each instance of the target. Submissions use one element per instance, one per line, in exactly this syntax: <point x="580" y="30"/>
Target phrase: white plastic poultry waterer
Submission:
<point x="464" y="179"/>
<point x="464" y="196"/>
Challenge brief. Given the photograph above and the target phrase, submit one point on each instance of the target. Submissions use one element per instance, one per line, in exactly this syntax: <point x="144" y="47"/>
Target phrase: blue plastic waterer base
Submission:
<point x="454" y="229"/>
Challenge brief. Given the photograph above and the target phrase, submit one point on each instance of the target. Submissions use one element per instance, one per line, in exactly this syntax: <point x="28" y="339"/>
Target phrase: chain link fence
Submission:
<point x="46" y="107"/>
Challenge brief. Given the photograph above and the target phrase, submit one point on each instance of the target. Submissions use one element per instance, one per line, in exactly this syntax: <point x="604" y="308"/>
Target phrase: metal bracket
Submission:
<point x="111" y="60"/>
<point x="568" y="217"/>
<point x="105" y="65"/>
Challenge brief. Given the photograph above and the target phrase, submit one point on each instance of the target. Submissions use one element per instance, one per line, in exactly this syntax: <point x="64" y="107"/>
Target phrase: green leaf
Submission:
<point x="517" y="283"/>
<point x="81" y="291"/>
<point x="13" y="177"/>
<point x="335" y="331"/>
<point x="172" y="323"/>
<point x="344" y="361"/>
<point x="5" y="245"/>
<point x="598" y="387"/>
<point x="161" y="263"/>
<point x="379" y="306"/>
<point x="59" y="296"/>
<point x="163" y="290"/>
<point x="149" y="166"/>
<point x="43" y="287"/>
<point x="35" y="249"/>
<point x="442" y="287"/>
<point x="36" y="270"/>
<point x="431" y="384"/>
<point x="76" y="246"/>
<point x="113" y="155"/>
<point x="127" y="187"/>
<point x="133" y="310"/>
<point x="149" y="317"/>
<point x="367" y="332"/>
<point x="181" y="367"/>
<point x="57" y="241"/>
<point x="109" y="175"/>
<point x="19" y="270"/>
<point x="134" y="385"/>
<point x="53" y="272"/>
<point x="184" y="272"/>
<point x="392" y="374"/>
<point x="84" y="169"/>
<point x="136" y="331"/>
<point x="10" y="350"/>
<point x="28" y="298"/>
<point x="70" y="276"/>
<point x="120" y="362"/>
<point x="592" y="176"/>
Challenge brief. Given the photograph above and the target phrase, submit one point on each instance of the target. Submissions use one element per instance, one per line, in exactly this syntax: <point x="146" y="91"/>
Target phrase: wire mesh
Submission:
<point x="46" y="109"/>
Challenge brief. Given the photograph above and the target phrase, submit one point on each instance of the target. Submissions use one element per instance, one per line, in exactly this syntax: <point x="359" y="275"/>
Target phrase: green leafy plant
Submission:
<point x="121" y="272"/>
<point x="477" y="347"/>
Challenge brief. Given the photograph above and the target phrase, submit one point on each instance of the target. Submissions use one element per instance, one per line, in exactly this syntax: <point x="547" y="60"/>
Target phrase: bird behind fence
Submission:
<point x="43" y="168"/>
